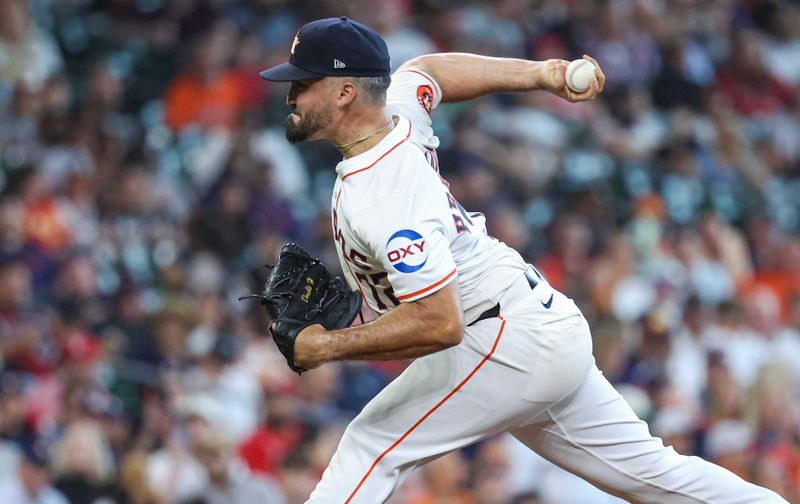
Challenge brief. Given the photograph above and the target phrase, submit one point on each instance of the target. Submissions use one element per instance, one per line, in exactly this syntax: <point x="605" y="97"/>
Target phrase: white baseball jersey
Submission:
<point x="400" y="234"/>
<point x="527" y="370"/>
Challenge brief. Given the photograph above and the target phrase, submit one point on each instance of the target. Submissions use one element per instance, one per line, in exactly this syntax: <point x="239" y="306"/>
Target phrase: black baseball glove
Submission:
<point x="300" y="292"/>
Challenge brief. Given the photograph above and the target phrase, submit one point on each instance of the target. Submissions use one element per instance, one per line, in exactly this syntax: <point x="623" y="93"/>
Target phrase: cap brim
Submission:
<point x="286" y="72"/>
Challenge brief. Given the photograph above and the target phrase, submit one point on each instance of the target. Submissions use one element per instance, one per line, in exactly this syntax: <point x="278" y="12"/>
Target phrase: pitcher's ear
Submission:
<point x="347" y="92"/>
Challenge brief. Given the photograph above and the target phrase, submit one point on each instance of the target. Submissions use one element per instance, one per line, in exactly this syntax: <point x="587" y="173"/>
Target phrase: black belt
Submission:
<point x="533" y="277"/>
<point x="490" y="313"/>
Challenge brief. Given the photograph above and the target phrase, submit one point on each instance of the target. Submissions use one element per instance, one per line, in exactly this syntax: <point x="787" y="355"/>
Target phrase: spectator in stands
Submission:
<point x="207" y="94"/>
<point x="31" y="482"/>
<point x="228" y="479"/>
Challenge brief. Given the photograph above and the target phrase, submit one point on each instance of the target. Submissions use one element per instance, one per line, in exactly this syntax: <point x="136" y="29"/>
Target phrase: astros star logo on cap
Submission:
<point x="296" y="41"/>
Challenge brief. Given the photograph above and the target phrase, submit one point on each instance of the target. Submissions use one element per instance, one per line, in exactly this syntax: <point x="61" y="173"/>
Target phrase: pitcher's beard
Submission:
<point x="310" y="123"/>
<point x="295" y="133"/>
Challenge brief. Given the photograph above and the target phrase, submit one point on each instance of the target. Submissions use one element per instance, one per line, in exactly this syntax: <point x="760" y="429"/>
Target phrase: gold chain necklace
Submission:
<point x="346" y="147"/>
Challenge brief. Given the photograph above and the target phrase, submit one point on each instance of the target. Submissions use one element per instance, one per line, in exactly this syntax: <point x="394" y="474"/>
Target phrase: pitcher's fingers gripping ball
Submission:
<point x="300" y="292"/>
<point x="576" y="81"/>
<point x="580" y="75"/>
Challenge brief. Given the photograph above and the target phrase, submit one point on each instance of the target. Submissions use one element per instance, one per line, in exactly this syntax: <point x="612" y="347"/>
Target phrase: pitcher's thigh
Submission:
<point x="595" y="434"/>
<point x="442" y="402"/>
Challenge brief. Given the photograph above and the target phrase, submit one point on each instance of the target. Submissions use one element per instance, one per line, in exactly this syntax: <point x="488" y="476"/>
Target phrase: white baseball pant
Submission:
<point x="530" y="372"/>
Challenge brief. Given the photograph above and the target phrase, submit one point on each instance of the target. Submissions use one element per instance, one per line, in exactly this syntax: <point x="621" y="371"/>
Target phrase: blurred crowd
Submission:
<point x="145" y="181"/>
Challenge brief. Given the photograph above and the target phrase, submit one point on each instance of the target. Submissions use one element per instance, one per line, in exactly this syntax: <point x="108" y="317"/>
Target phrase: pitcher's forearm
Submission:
<point x="410" y="330"/>
<point x="463" y="76"/>
<point x="368" y="343"/>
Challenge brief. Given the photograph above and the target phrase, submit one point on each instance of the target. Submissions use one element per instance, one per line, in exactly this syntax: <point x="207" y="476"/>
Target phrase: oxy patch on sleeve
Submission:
<point x="406" y="251"/>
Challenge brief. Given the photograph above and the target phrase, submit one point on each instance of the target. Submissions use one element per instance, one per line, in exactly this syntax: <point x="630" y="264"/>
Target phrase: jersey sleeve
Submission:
<point x="414" y="94"/>
<point x="407" y="236"/>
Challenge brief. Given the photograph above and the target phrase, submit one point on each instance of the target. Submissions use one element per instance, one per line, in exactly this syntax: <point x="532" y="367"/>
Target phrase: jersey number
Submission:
<point x="373" y="280"/>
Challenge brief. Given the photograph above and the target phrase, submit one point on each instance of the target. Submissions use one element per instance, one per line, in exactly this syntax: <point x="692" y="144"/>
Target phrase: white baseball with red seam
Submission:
<point x="579" y="75"/>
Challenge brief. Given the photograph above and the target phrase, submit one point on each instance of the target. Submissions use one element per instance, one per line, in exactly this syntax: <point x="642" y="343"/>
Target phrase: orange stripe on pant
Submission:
<point x="430" y="412"/>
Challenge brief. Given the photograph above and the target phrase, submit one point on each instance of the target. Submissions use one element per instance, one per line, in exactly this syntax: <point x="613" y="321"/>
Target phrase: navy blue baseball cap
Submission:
<point x="335" y="47"/>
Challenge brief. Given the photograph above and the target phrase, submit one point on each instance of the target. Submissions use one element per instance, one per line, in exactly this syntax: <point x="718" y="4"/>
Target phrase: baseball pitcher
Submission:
<point x="497" y="348"/>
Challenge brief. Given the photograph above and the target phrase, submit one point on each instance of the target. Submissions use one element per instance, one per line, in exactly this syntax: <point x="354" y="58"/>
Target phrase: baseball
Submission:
<point x="579" y="75"/>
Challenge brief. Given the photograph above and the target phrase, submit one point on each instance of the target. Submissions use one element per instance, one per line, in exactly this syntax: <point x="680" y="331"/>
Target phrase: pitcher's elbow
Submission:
<point x="452" y="333"/>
